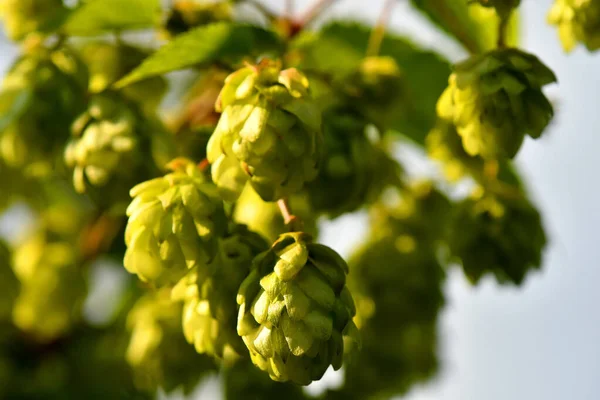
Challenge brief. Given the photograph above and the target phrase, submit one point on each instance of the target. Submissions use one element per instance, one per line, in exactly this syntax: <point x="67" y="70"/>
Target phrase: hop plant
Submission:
<point x="295" y="312"/>
<point x="268" y="133"/>
<point x="174" y="225"/>
<point x="497" y="234"/>
<point x="578" y="21"/>
<point x="495" y="99"/>
<point x="46" y="91"/>
<point x="22" y="17"/>
<point x="157" y="351"/>
<point x="52" y="286"/>
<point x="109" y="148"/>
<point x="350" y="161"/>
<point x="209" y="291"/>
<point x="265" y="217"/>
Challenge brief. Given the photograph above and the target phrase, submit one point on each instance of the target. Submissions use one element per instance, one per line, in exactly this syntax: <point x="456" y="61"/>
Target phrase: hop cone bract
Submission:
<point x="296" y="312"/>
<point x="578" y="21"/>
<point x="174" y="225"/>
<point x="268" y="133"/>
<point x="494" y="99"/>
<point x="209" y="292"/>
<point x="499" y="235"/>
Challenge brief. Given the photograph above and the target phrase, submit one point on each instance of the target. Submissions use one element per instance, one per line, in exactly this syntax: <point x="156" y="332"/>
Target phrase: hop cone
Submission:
<point x="22" y="17"/>
<point x="578" y="21"/>
<point x="265" y="217"/>
<point x="354" y="171"/>
<point x="295" y="311"/>
<point x="495" y="99"/>
<point x="52" y="286"/>
<point x="41" y="95"/>
<point x="268" y="133"/>
<point x="209" y="291"/>
<point x="110" y="148"/>
<point x="9" y="285"/>
<point x="157" y="351"/>
<point x="174" y="223"/>
<point x="499" y="235"/>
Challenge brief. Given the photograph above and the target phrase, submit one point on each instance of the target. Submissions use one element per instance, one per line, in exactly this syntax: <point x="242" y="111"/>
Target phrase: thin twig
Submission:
<point x="379" y="31"/>
<point x="315" y="11"/>
<point x="289" y="218"/>
<point x="270" y="15"/>
<point x="502" y="31"/>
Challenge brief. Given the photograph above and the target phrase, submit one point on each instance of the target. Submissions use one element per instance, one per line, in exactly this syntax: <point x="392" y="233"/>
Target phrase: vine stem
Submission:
<point x="502" y="31"/>
<point x="378" y="32"/>
<point x="289" y="218"/>
<point x="315" y="11"/>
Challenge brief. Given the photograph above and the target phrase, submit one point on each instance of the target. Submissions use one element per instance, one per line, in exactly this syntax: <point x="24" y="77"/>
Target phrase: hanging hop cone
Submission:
<point x="350" y="162"/>
<point x="22" y="17"/>
<point x="209" y="293"/>
<point x="503" y="7"/>
<point x="296" y="312"/>
<point x="174" y="225"/>
<point x="42" y="94"/>
<point x="265" y="218"/>
<point x="157" y="351"/>
<point x="268" y="133"/>
<point x="494" y="99"/>
<point x="578" y="21"/>
<point x="498" y="235"/>
<point x="53" y="287"/>
<point x="113" y="147"/>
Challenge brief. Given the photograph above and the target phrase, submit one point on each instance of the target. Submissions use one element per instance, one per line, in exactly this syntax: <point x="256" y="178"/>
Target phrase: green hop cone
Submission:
<point x="157" y="351"/>
<point x="41" y="95"/>
<point x="495" y="99"/>
<point x="209" y="292"/>
<point x="53" y="287"/>
<point x="22" y="17"/>
<point x="268" y="133"/>
<point x="500" y="235"/>
<point x="296" y="312"/>
<point x="9" y="285"/>
<point x="265" y="217"/>
<point x="503" y="7"/>
<point x="174" y="225"/>
<point x="578" y="21"/>
<point x="110" y="148"/>
<point x="350" y="162"/>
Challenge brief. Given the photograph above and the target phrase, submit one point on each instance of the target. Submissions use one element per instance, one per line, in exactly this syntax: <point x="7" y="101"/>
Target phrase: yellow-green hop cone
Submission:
<point x="354" y="171"/>
<point x="209" y="294"/>
<point x="53" y="287"/>
<point x="157" y="351"/>
<point x="9" y="285"/>
<point x="268" y="134"/>
<point x="21" y="17"/>
<point x="41" y="95"/>
<point x="578" y="21"/>
<point x="495" y="99"/>
<point x="265" y="217"/>
<point x="112" y="148"/>
<point x="500" y="235"/>
<point x="174" y="225"/>
<point x="296" y="312"/>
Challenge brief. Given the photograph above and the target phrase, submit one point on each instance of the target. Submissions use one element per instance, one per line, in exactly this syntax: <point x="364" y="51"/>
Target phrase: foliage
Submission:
<point x="208" y="188"/>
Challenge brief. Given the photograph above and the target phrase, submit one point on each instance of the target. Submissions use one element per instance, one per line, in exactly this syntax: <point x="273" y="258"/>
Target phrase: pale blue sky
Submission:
<point x="541" y="341"/>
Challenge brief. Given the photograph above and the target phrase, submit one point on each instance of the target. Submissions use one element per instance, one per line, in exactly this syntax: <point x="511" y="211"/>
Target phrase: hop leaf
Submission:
<point x="159" y="355"/>
<point x="268" y="133"/>
<point x="295" y="312"/>
<point x="174" y="223"/>
<point x="47" y="91"/>
<point x="495" y="99"/>
<point x="498" y="235"/>
<point x="578" y="21"/>
<point x="209" y="292"/>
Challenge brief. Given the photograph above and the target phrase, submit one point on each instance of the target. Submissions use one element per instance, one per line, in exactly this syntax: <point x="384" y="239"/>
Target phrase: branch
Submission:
<point x="378" y="33"/>
<point x="315" y="11"/>
<point x="270" y="15"/>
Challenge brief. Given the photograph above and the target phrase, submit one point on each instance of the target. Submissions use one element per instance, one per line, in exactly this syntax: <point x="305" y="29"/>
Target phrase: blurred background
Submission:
<point x="539" y="341"/>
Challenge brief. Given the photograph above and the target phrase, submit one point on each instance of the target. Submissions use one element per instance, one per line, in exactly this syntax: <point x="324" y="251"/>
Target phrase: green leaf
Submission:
<point x="220" y="41"/>
<point x="12" y="105"/>
<point x="341" y="46"/>
<point x="472" y="25"/>
<point x="99" y="16"/>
